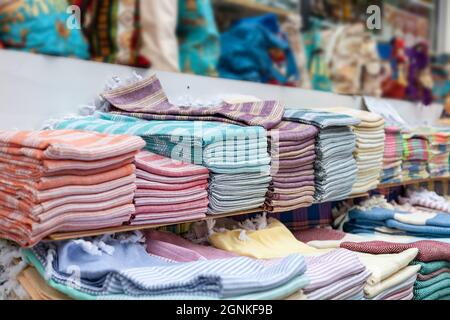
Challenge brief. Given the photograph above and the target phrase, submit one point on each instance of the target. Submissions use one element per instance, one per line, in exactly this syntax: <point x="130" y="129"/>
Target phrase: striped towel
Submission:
<point x="321" y="119"/>
<point x="188" y="140"/>
<point x="67" y="144"/>
<point x="146" y="99"/>
<point x="159" y="165"/>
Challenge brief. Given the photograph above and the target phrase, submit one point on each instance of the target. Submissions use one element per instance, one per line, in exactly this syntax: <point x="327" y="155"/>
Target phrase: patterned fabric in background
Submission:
<point x="318" y="70"/>
<point x="113" y="30"/>
<point x="40" y="26"/>
<point x="255" y="49"/>
<point x="198" y="37"/>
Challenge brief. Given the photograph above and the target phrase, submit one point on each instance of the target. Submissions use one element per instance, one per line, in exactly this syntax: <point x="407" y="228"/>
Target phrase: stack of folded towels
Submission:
<point x="236" y="157"/>
<point x="335" y="167"/>
<point x="393" y="154"/>
<point x="169" y="191"/>
<point x="292" y="152"/>
<point x="369" y="148"/>
<point x="377" y="216"/>
<point x="106" y="271"/>
<point x="391" y="275"/>
<point x="64" y="180"/>
<point x="439" y="152"/>
<point x="415" y="157"/>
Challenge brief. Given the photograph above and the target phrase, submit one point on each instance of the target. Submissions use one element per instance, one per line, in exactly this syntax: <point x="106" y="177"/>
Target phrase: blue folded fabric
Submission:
<point x="130" y="270"/>
<point x="417" y="224"/>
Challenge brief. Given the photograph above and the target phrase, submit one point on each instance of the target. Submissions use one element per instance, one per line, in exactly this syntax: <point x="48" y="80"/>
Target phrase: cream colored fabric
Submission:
<point x="158" y="35"/>
<point x="383" y="266"/>
<point x="406" y="273"/>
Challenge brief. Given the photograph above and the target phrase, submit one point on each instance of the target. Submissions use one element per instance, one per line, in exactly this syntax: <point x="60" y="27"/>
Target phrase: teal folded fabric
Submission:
<point x="427" y="283"/>
<point x="434" y="292"/>
<point x="430" y="267"/>
<point x="239" y="149"/>
<point x="280" y="292"/>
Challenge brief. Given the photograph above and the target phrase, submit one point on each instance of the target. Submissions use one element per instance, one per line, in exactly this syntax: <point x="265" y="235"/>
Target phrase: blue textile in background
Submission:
<point x="246" y="51"/>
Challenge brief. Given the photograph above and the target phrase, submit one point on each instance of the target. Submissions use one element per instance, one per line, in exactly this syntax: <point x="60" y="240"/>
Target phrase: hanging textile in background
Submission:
<point x="159" y="44"/>
<point x="198" y="37"/>
<point x="40" y="26"/>
<point x="402" y="20"/>
<point x="255" y="49"/>
<point x="113" y="30"/>
<point x="316" y="65"/>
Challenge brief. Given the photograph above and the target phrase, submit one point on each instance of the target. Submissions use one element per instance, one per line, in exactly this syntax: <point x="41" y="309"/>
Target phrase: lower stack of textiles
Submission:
<point x="258" y="258"/>
<point x="169" y="191"/>
<point x="415" y="157"/>
<point x="393" y="154"/>
<point x="64" y="181"/>
<point x="423" y="273"/>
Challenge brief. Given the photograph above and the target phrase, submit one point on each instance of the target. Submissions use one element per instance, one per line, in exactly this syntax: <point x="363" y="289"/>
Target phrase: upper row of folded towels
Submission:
<point x="90" y="172"/>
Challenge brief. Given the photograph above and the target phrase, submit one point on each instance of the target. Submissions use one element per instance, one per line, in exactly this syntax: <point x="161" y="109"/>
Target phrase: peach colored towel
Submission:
<point x="67" y="144"/>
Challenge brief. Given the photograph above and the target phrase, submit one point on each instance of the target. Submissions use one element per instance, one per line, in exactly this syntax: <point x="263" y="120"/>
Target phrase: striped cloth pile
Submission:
<point x="393" y="154"/>
<point x="107" y="272"/>
<point x="292" y="169"/>
<point x="439" y="152"/>
<point x="369" y="148"/>
<point x="236" y="157"/>
<point x="168" y="191"/>
<point x="391" y="275"/>
<point x="336" y="275"/>
<point x="415" y="157"/>
<point x="335" y="167"/>
<point x="64" y="181"/>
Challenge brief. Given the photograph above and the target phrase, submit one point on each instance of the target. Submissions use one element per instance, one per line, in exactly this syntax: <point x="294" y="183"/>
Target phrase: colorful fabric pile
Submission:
<point x="64" y="181"/>
<point x="292" y="169"/>
<point x="369" y="148"/>
<point x="415" y="157"/>
<point x="336" y="275"/>
<point x="169" y="191"/>
<point x="393" y="154"/>
<point x="107" y="271"/>
<point x="433" y="259"/>
<point x="391" y="277"/>
<point x="236" y="156"/>
<point x="335" y="167"/>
